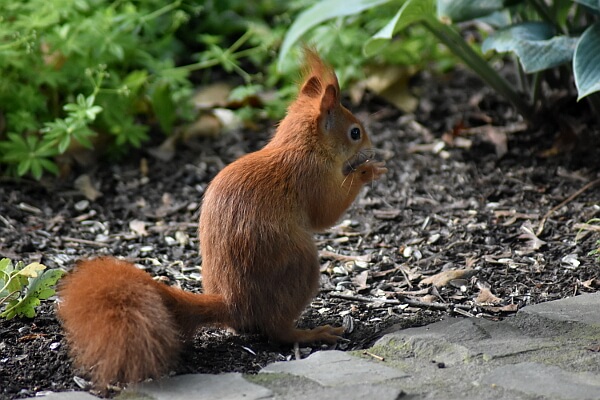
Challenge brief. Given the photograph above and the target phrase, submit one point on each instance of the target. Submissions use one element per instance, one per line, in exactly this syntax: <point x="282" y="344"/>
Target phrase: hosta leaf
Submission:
<point x="593" y="4"/>
<point x="465" y="10"/>
<point x="319" y="13"/>
<point x="498" y="19"/>
<point x="586" y="62"/>
<point x="412" y="11"/>
<point x="535" y="45"/>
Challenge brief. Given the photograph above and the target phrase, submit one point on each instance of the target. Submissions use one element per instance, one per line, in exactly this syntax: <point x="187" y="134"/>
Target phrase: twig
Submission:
<point x="365" y="299"/>
<point x="587" y="227"/>
<point x="463" y="312"/>
<point x="84" y="241"/>
<point x="434" y="305"/>
<point x="406" y="278"/>
<point x="297" y="351"/>
<point x="566" y="201"/>
<point x="343" y="257"/>
<point x="375" y="356"/>
<point x="405" y="300"/>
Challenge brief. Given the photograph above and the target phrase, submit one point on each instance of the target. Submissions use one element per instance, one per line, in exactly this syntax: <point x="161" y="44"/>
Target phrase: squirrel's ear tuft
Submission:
<point x="317" y="75"/>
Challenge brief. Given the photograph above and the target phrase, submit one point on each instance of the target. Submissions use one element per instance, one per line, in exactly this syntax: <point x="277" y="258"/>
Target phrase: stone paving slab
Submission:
<point x="336" y="368"/>
<point x="230" y="386"/>
<point x="546" y="380"/>
<point x="345" y="392"/>
<point x="547" y="351"/>
<point x="582" y="309"/>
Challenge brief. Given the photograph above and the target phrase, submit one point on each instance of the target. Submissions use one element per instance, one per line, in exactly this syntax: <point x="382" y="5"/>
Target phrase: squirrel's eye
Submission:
<point x="355" y="133"/>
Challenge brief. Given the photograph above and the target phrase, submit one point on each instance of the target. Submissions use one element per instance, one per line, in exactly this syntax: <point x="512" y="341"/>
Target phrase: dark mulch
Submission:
<point x="443" y="206"/>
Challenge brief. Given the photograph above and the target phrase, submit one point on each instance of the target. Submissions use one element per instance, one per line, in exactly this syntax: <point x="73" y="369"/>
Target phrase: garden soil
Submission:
<point x="478" y="215"/>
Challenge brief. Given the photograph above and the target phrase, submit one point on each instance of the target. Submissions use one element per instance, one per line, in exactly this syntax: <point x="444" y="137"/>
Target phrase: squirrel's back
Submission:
<point x="116" y="321"/>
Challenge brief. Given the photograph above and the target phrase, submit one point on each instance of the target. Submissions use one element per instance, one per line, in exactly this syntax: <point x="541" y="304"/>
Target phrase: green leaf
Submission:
<point x="586" y="62"/>
<point x="135" y="80"/>
<point x="39" y="288"/>
<point x="49" y="165"/>
<point x="10" y="281"/>
<point x="5" y="265"/>
<point x="535" y="45"/>
<point x="36" y="169"/>
<point x="452" y="11"/>
<point x="164" y="107"/>
<point x="412" y="11"/>
<point x="24" y="166"/>
<point x="593" y="4"/>
<point x="92" y="112"/>
<point x="64" y="143"/>
<point x="498" y="19"/>
<point x="319" y="13"/>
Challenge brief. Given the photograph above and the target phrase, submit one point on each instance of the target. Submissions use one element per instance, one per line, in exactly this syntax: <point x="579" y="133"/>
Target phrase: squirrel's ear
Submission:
<point x="312" y="87"/>
<point x="330" y="98"/>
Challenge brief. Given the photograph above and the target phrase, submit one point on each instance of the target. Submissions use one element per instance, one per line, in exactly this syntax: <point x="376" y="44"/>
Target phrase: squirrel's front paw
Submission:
<point x="371" y="171"/>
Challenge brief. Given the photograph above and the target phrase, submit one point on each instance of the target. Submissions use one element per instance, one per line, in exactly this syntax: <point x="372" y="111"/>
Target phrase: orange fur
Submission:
<point x="260" y="264"/>
<point x="116" y="322"/>
<point x="260" y="212"/>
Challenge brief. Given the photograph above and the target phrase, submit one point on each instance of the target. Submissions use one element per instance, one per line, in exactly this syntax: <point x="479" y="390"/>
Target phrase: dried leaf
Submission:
<point x="211" y="96"/>
<point x="506" y="308"/>
<point x="591" y="284"/>
<point x="470" y="261"/>
<point x="360" y="280"/>
<point x="594" y="348"/>
<point x="428" y="299"/>
<point x="392" y="83"/>
<point x="166" y="150"/>
<point x="444" y="277"/>
<point x="138" y="227"/>
<point x="571" y="260"/>
<point x="514" y="216"/>
<point x="84" y="184"/>
<point x="533" y="242"/>
<point x="228" y="119"/>
<point x="498" y="138"/>
<point x="485" y="296"/>
<point x="207" y="125"/>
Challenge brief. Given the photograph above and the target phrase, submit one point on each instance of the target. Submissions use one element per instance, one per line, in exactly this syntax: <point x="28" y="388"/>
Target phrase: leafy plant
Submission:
<point x="596" y="251"/>
<point x="81" y="72"/>
<point x="341" y="40"/>
<point x="23" y="287"/>
<point x="542" y="34"/>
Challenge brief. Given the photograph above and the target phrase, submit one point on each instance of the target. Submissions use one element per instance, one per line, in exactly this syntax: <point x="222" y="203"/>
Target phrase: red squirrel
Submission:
<point x="260" y="265"/>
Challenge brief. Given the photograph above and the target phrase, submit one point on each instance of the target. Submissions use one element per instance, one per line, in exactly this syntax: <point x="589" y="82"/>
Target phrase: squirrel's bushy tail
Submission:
<point x="118" y="321"/>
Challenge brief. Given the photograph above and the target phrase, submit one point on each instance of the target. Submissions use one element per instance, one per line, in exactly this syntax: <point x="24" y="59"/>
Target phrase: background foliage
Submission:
<point x="91" y="72"/>
<point x="109" y="75"/>
<point x="543" y="35"/>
